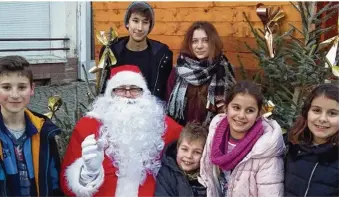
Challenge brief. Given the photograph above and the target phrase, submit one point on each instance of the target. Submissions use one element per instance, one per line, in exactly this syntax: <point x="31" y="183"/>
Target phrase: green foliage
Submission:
<point x="298" y="64"/>
<point x="66" y="124"/>
<point x="69" y="118"/>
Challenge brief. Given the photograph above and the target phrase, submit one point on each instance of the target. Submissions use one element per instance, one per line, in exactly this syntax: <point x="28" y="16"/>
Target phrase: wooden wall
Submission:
<point x="173" y="18"/>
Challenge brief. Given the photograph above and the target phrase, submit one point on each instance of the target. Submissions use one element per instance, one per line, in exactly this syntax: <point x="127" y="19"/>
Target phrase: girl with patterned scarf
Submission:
<point x="199" y="82"/>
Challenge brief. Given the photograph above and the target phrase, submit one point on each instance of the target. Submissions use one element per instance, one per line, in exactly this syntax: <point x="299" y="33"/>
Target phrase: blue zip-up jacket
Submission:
<point x="40" y="152"/>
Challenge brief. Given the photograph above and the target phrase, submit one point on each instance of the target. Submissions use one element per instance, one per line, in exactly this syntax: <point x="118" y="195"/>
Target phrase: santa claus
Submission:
<point x="115" y="149"/>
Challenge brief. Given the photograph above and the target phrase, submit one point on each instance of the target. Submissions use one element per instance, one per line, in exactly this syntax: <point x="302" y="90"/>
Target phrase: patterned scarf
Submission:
<point x="193" y="175"/>
<point x="228" y="161"/>
<point x="195" y="72"/>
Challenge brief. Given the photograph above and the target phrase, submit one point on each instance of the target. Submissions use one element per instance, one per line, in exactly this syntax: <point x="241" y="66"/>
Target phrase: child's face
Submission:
<point x="323" y="119"/>
<point x="189" y="154"/>
<point x="242" y="113"/>
<point x="15" y="92"/>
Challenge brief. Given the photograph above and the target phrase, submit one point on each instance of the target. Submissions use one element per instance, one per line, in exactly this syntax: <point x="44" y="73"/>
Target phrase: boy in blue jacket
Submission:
<point x="29" y="159"/>
<point x="178" y="175"/>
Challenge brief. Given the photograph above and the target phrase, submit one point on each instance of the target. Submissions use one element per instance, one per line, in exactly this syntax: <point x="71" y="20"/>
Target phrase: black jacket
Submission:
<point x="162" y="62"/>
<point x="312" y="170"/>
<point x="171" y="181"/>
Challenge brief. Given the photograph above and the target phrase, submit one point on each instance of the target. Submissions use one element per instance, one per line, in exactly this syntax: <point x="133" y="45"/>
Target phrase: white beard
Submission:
<point x="132" y="130"/>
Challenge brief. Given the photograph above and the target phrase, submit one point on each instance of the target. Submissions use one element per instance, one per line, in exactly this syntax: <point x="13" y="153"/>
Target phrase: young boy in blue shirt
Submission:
<point x="29" y="159"/>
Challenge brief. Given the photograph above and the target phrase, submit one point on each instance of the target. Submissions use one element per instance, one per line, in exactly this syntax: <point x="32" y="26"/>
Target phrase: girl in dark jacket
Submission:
<point x="312" y="167"/>
<point x="178" y="175"/>
<point x="201" y="78"/>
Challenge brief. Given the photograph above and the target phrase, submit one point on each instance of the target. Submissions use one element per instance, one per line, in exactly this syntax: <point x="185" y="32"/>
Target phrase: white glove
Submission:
<point x="92" y="154"/>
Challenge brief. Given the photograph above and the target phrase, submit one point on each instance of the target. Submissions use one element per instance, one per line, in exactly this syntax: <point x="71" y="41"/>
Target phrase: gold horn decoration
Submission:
<point x="268" y="109"/>
<point x="54" y="104"/>
<point x="262" y="13"/>
<point x="107" y="54"/>
<point x="269" y="18"/>
<point x="332" y="56"/>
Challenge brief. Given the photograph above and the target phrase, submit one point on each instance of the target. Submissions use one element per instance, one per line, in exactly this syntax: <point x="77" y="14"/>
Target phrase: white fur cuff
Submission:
<point x="73" y="180"/>
<point x="92" y="114"/>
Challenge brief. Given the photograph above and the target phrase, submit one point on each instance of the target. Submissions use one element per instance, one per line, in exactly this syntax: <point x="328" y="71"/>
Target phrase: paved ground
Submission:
<point x="67" y="92"/>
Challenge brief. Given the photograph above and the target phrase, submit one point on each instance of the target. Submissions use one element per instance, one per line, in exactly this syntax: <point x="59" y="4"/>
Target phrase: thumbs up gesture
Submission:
<point x="92" y="154"/>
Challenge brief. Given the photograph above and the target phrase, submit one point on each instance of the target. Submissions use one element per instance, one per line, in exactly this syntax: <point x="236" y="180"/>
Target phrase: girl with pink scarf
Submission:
<point x="243" y="152"/>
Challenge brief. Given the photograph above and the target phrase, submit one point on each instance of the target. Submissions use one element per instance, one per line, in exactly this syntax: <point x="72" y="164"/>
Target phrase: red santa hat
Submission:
<point x="125" y="75"/>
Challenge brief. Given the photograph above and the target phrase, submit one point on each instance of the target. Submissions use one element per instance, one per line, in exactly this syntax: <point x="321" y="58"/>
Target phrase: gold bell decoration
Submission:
<point x="270" y="18"/>
<point x="105" y="38"/>
<point x="268" y="109"/>
<point x="332" y="55"/>
<point x="54" y="104"/>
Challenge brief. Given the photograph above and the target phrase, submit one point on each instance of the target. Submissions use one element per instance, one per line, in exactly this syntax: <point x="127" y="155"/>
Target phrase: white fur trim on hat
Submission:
<point x="126" y="78"/>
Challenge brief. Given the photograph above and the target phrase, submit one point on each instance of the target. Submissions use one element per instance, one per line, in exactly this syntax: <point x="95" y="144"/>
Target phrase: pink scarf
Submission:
<point x="219" y="155"/>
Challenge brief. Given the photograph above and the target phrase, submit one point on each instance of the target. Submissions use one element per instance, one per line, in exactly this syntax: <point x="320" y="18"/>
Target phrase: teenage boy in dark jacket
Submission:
<point x="153" y="58"/>
<point x="29" y="159"/>
<point x="178" y="175"/>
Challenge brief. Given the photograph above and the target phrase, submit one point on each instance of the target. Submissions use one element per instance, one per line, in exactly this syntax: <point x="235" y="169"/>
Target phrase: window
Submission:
<point x="39" y="20"/>
<point x="25" y="20"/>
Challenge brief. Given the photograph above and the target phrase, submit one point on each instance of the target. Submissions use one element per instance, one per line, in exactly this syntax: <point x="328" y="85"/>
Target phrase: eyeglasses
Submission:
<point x="123" y="91"/>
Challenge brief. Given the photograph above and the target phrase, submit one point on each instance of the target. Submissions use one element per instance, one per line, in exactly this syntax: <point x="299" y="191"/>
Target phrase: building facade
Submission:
<point x="50" y="35"/>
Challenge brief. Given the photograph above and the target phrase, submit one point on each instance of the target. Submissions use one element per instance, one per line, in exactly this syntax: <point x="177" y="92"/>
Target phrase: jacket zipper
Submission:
<point x="5" y="184"/>
<point x="23" y="154"/>
<point x="156" y="80"/>
<point x="192" y="194"/>
<point x="47" y="167"/>
<point x="309" y="181"/>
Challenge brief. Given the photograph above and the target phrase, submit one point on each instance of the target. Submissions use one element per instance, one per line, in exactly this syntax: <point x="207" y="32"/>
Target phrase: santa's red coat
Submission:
<point x="87" y="126"/>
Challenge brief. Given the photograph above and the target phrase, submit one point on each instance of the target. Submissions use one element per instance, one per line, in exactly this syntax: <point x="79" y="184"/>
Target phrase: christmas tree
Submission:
<point x="290" y="67"/>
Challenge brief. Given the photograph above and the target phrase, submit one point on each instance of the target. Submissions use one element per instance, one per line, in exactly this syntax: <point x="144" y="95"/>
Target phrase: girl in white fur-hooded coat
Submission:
<point x="243" y="152"/>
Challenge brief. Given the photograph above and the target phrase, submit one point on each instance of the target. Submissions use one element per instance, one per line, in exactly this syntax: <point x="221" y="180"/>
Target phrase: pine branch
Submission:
<point x="242" y="69"/>
<point x="252" y="50"/>
<point x="325" y="17"/>
<point x="255" y="32"/>
<point x="281" y="37"/>
<point x="328" y="7"/>
<point x="295" y="28"/>
<point x="295" y="6"/>
<point x="319" y="31"/>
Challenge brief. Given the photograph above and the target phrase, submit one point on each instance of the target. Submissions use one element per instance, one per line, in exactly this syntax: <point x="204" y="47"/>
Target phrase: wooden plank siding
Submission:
<point x="173" y="18"/>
